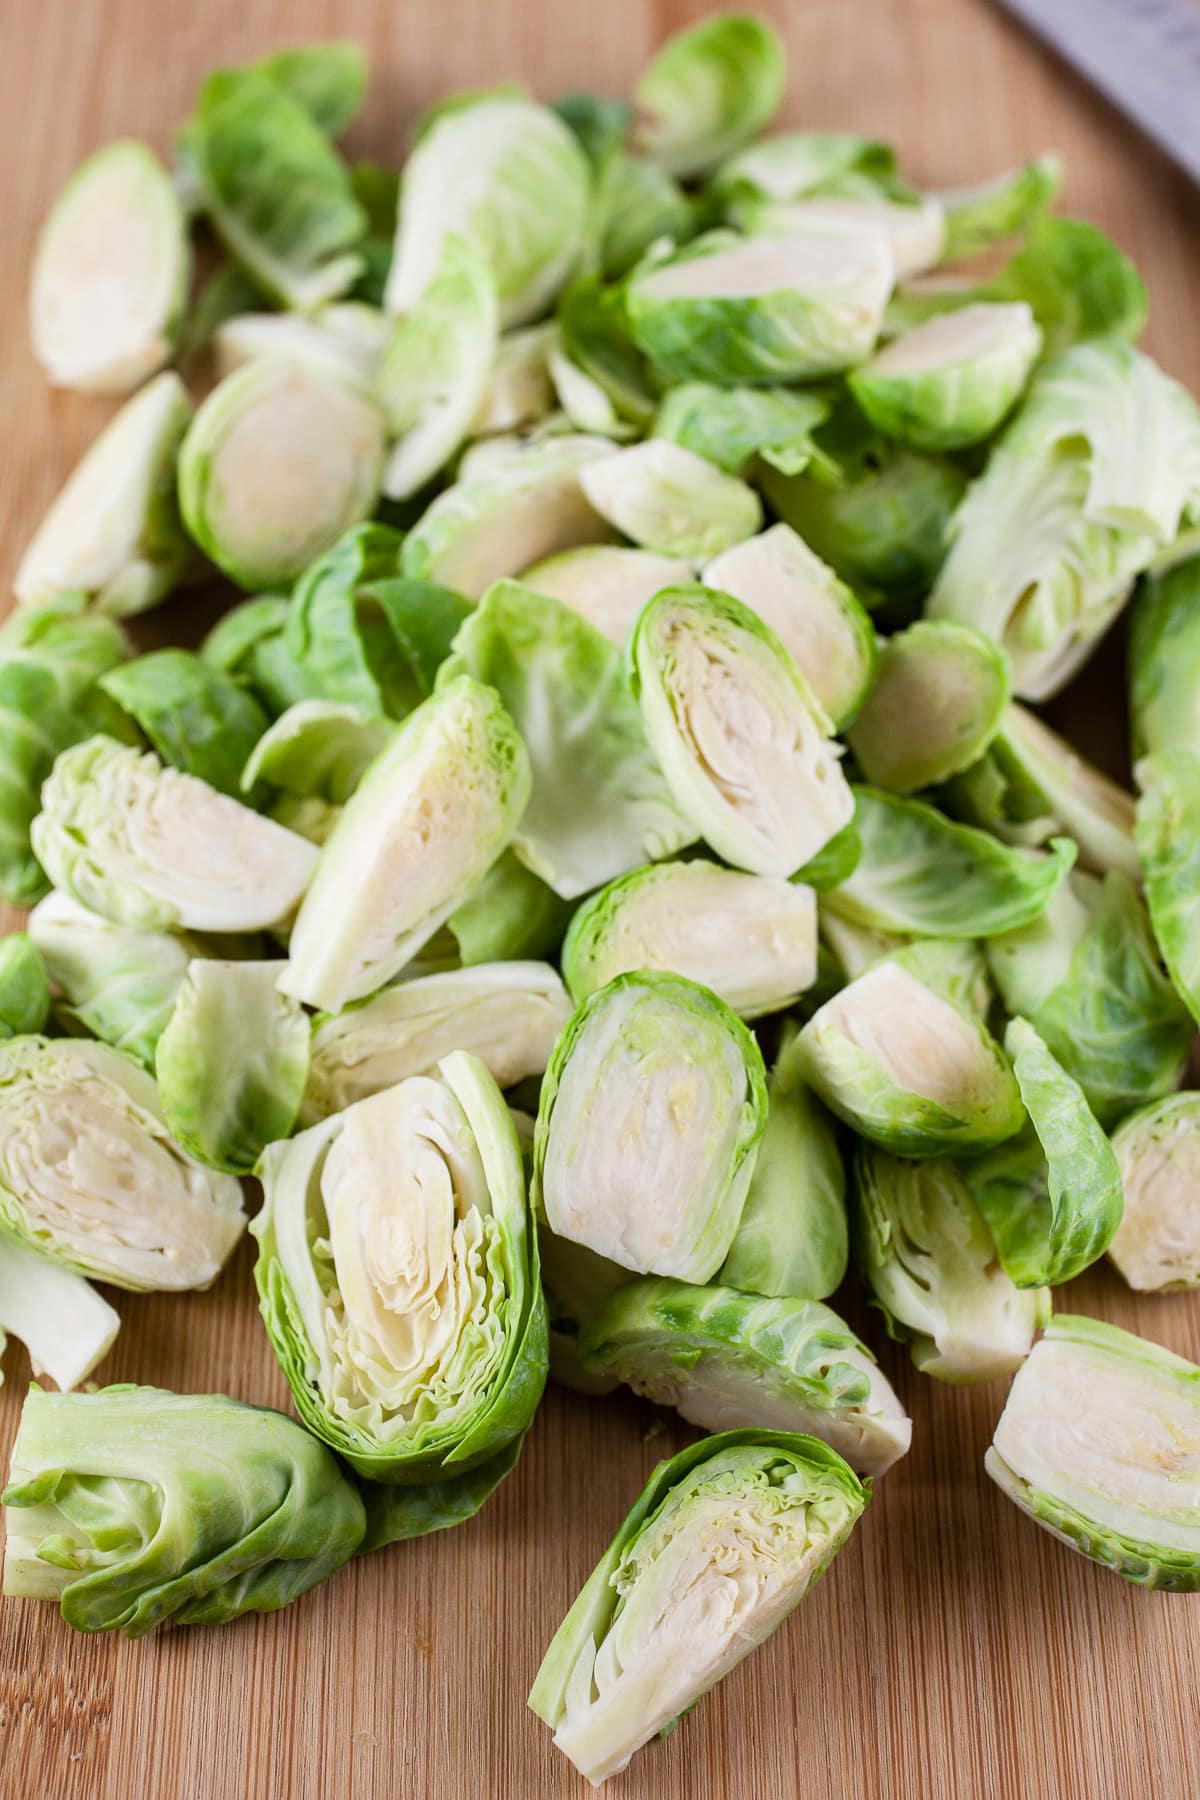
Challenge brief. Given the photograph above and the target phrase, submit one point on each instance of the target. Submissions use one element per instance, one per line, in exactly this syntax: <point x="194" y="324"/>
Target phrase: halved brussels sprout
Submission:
<point x="508" y="1014"/>
<point x="949" y="382"/>
<point x="668" y="500"/>
<point x="738" y="732"/>
<point x="1168" y="841"/>
<point x="724" y="1541"/>
<point x="913" y="229"/>
<point x="90" y="1177"/>
<point x="707" y="91"/>
<point x="318" y="749"/>
<point x="721" y="1359"/>
<point x="350" y="338"/>
<point x="398" y="1277"/>
<point x="780" y="308"/>
<point x="114" y="530"/>
<point x="110" y="273"/>
<point x="908" y="1067"/>
<point x="149" y="847"/>
<point x="752" y="939"/>
<point x="24" y="987"/>
<point x="64" y="1324"/>
<point x="1002" y="207"/>
<point x="197" y="718"/>
<point x="118" y="1509"/>
<point x="427" y="821"/>
<point x="1157" y="1244"/>
<point x="1164" y="660"/>
<point x="1096" y="1443"/>
<point x="731" y="426"/>
<point x="934" y="707"/>
<point x="927" y="1256"/>
<point x="280" y="460"/>
<point x="518" y="391"/>
<point x="606" y="584"/>
<point x="651" y="1114"/>
<point x="819" y="622"/>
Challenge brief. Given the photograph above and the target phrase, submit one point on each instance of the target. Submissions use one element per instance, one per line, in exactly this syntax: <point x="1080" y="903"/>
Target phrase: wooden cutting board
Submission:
<point x="953" y="1650"/>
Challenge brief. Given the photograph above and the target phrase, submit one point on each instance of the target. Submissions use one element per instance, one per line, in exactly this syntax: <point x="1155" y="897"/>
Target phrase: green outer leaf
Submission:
<point x="24" y="987"/>
<point x="833" y="865"/>
<point x="1164" y="661"/>
<point x="196" y="717"/>
<point x="396" y="1514"/>
<point x="1168" y="841"/>
<point x="708" y="90"/>
<point x="935" y="706"/>
<point x="599" y="123"/>
<point x="329" y="81"/>
<point x="512" y="916"/>
<point x="233" y="640"/>
<point x="637" y="204"/>
<point x="730" y="426"/>
<point x="958" y="398"/>
<point x="118" y="983"/>
<point x="596" y="334"/>
<point x="317" y="748"/>
<point x="424" y="620"/>
<point x="344" y="647"/>
<point x="1004" y="207"/>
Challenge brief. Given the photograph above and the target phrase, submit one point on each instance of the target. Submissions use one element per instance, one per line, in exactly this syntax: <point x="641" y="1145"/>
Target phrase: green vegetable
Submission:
<point x="606" y="584"/>
<point x="636" y="204"/>
<point x="794" y="164"/>
<point x="708" y="91"/>
<point x="63" y="1323"/>
<point x="950" y="382"/>
<point x="1157" y="1244"/>
<point x="1003" y="207"/>
<point x="1168" y="841"/>
<point x="317" y="749"/>
<point x="913" y="230"/>
<point x="24" y="987"/>
<point x="396" y="1514"/>
<point x="731" y="426"/>
<point x="196" y="717"/>
<point x="349" y="339"/>
<point x="511" y="916"/>
<point x="1164" y="661"/>
<point x="329" y="81"/>
<point x="518" y="391"/>
<point x="934" y="707"/>
<point x="669" y="500"/>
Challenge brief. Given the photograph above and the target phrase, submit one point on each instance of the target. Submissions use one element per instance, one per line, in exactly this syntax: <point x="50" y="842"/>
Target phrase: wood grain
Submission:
<point x="953" y="1651"/>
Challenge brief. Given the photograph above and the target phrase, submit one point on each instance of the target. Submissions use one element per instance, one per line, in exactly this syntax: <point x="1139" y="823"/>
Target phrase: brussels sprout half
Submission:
<point x="1157" y="1244"/>
<point x="934" y="707"/>
<point x="950" y="382"/>
<point x="1168" y="841"/>
<point x="64" y="1324"/>
<point x="1164" y="661"/>
<point x="669" y="500"/>
<point x="606" y="584"/>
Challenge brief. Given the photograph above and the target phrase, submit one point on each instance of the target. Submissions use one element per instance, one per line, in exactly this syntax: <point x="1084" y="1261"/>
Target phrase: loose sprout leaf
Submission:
<point x="950" y="382"/>
<point x="234" y="639"/>
<point x="196" y="717"/>
<point x="834" y="863"/>
<point x="24" y="987"/>
<point x="512" y="916"/>
<point x="794" y="164"/>
<point x="1003" y="207"/>
<point x="1157" y="1244"/>
<point x="596" y="333"/>
<point x="317" y="749"/>
<point x="1168" y="840"/>
<point x="635" y="205"/>
<point x="671" y="501"/>
<point x="63" y="1323"/>
<point x="935" y="705"/>
<point x="708" y="91"/>
<point x="337" y="634"/>
<point x="731" y="426"/>
<point x="914" y="229"/>
<point x="599" y="123"/>
<point x="396" y="1514"/>
<point x="329" y="81"/>
<point x="607" y="584"/>
<point x="1164" y="660"/>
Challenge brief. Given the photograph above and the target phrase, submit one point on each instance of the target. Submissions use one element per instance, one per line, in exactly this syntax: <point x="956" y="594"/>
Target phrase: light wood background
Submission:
<point x="953" y="1651"/>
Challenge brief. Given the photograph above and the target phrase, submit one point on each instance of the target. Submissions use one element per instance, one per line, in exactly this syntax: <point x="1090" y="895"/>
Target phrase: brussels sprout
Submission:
<point x="707" y="91"/>
<point x="149" y="847"/>
<point x="636" y="204"/>
<point x="90" y="1177"/>
<point x="196" y="717"/>
<point x="949" y="382"/>
<point x="819" y="622"/>
<point x="585" y="402"/>
<point x="24" y="987"/>
<point x="908" y="1067"/>
<point x="1164" y="661"/>
<point x="564" y="686"/>
<point x="1157" y="1244"/>
<point x="1003" y="207"/>
<point x="600" y="124"/>
<point x="114" y="531"/>
<point x="398" y="1277"/>
<point x="510" y="178"/>
<point x="232" y="1063"/>
<point x="768" y="795"/>
<point x="350" y="338"/>
<point x="724" y="1541"/>
<point x="110" y="273"/>
<point x="318" y="748"/>
<point x="279" y="461"/>
<point x="651" y="1114"/>
<point x="913" y="229"/>
<point x="796" y="163"/>
<point x="752" y="939"/>
<point x="953" y="967"/>
<point x="508" y="1014"/>
<point x="669" y="500"/>
<point x="307" y="815"/>
<point x="606" y="584"/>
<point x="118" y="1508"/>
<point x="1047" y="543"/>
<point x="1095" y="1444"/>
<point x="764" y="309"/>
<point x="397" y="1514"/>
<point x="927" y="1256"/>
<point x="934" y="707"/>
<point x="731" y="426"/>
<point x="920" y="873"/>
<point x="1168" y="841"/>
<point x="518" y="391"/>
<point x="64" y="1324"/>
<point x="791" y="1238"/>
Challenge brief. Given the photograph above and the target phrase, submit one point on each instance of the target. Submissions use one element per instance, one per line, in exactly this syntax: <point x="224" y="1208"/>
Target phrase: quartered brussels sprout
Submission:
<point x="348" y="336"/>
<point x="317" y="749"/>
<point x="151" y="848"/>
<point x="90" y="1177"/>
<point x="197" y="718"/>
<point x="1168" y="841"/>
<point x="752" y="939"/>
<point x="510" y="178"/>
<point x="740" y="736"/>
<point x="114" y="531"/>
<point x="518" y="391"/>
<point x="1097" y="1444"/>
<point x="118" y="1509"/>
<point x="423" y="827"/>
<point x="934" y="707"/>
<point x="708" y="91"/>
<point x="721" y="1359"/>
<point x="732" y="426"/>
<point x="822" y="626"/>
<point x="508" y="1014"/>
<point x="925" y="1252"/>
<point x="914" y="229"/>
<point x="951" y="381"/>
<point x="1157" y="1244"/>
<point x="24" y="987"/>
<point x="110" y="273"/>
<point x="908" y="1067"/>
<point x="724" y="1541"/>
<point x="280" y="460"/>
<point x="668" y="500"/>
<point x="652" y="1110"/>
<point x="63" y="1323"/>
<point x="769" y="308"/>
<point x="1164" y="660"/>
<point x="606" y="584"/>
<point x="988" y="211"/>
<point x="398" y="1277"/>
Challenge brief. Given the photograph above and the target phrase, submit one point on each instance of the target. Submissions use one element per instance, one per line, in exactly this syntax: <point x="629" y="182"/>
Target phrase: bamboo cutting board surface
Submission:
<point x="953" y="1651"/>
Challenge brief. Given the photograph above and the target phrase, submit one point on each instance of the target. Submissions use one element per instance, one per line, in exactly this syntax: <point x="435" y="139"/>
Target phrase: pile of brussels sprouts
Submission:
<point x="649" y="557"/>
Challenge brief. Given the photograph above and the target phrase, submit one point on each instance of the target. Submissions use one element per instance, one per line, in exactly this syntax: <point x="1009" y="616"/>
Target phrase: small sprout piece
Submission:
<point x="606" y="584"/>
<point x="638" y="204"/>
<point x="752" y="939"/>
<point x="280" y="460"/>
<point x="763" y="309"/>
<point x="64" y="1324"/>
<point x="707" y="91"/>
<point x="508" y="1014"/>
<point x="816" y="618"/>
<point x="197" y="718"/>
<point x="317" y="749"/>
<point x="114" y="531"/>
<point x="909" y="1068"/>
<point x="914" y="230"/>
<point x="651" y="1114"/>
<point x="350" y="338"/>
<point x="398" y="1277"/>
<point x="724" y="1541"/>
<point x="731" y="426"/>
<point x="935" y="706"/>
<point x="118" y="1508"/>
<point x="149" y="847"/>
<point x="1164" y="661"/>
<point x="1004" y="207"/>
<point x="419" y="833"/>
<point x="518" y="391"/>
<point x="668" y="500"/>
<point x="949" y="382"/>
<point x="927" y="1256"/>
<point x="1157" y="1244"/>
<point x="1097" y="1444"/>
<point x="90" y="1177"/>
<point x="24" y="987"/>
<point x="737" y="731"/>
<point x="1168" y="841"/>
